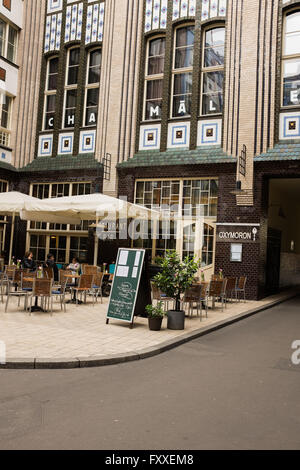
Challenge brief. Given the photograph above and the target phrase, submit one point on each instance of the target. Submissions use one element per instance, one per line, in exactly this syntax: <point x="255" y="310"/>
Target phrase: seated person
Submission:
<point x="50" y="263"/>
<point x="74" y="267"/>
<point x="28" y="261"/>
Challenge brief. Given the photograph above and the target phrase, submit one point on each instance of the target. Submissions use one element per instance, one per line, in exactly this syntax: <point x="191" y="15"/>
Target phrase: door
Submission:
<point x="273" y="261"/>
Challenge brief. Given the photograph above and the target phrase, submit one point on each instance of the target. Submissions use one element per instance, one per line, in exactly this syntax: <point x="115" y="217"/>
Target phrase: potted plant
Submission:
<point x="175" y="277"/>
<point x="155" y="316"/>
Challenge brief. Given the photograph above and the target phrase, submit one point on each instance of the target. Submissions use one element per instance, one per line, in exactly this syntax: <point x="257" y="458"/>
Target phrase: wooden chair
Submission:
<point x="88" y="269"/>
<point x="230" y="287"/>
<point x="191" y="297"/>
<point x="17" y="289"/>
<point x="84" y="286"/>
<point x="42" y="287"/>
<point x="159" y="296"/>
<point x="97" y="286"/>
<point x="48" y="273"/>
<point x="217" y="291"/>
<point x="241" y="288"/>
<point x="60" y="291"/>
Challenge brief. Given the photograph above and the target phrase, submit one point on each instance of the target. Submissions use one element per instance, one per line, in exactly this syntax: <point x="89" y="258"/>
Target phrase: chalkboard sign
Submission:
<point x="125" y="285"/>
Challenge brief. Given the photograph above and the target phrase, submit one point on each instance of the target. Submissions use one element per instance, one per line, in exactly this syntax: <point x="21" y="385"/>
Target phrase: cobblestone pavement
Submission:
<point x="82" y="330"/>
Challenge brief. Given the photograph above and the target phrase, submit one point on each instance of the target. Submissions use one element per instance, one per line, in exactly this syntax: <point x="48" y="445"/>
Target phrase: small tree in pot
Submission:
<point x="175" y="277"/>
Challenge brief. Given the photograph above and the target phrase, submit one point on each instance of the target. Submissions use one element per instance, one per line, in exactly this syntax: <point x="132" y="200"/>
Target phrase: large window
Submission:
<point x="183" y="71"/>
<point x="155" y="64"/>
<point x="291" y="60"/>
<point x="8" y="41"/>
<point x="5" y="119"/>
<point x="59" y="239"/>
<point x="72" y="73"/>
<point x="192" y="206"/>
<point x="50" y="93"/>
<point x="213" y="71"/>
<point x="92" y="87"/>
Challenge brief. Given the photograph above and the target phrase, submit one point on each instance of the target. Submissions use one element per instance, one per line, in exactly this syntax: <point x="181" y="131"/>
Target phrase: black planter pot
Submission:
<point x="155" y="323"/>
<point x="176" y="319"/>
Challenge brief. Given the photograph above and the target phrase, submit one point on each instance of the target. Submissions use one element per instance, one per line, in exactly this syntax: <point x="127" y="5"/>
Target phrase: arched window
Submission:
<point x="92" y="87"/>
<point x="50" y="93"/>
<point x="291" y="60"/>
<point x="213" y="71"/>
<point x="155" y="64"/>
<point x="182" y="71"/>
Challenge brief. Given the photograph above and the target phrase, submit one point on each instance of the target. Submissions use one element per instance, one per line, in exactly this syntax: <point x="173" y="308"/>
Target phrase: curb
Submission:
<point x="106" y="360"/>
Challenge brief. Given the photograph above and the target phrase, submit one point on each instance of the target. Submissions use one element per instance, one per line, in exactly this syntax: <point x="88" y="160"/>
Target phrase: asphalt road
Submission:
<point x="233" y="389"/>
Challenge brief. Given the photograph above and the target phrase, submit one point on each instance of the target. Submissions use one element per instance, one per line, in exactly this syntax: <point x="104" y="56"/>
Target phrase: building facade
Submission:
<point x="218" y="125"/>
<point x="181" y="103"/>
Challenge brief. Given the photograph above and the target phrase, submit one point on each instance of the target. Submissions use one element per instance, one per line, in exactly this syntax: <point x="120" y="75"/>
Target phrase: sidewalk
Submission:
<point x="81" y="338"/>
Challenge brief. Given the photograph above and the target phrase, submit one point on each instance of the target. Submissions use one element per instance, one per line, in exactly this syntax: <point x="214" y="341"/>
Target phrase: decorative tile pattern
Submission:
<point x="289" y="126"/>
<point x="213" y="8"/>
<point x="65" y="144"/>
<point x="209" y="132"/>
<point x="156" y="15"/>
<point x="150" y="137"/>
<point x="45" y="145"/>
<point x="54" y="6"/>
<point x="179" y="135"/>
<point x="73" y="29"/>
<point x="53" y="32"/>
<point x="183" y="8"/>
<point x="87" y="141"/>
<point x="95" y="23"/>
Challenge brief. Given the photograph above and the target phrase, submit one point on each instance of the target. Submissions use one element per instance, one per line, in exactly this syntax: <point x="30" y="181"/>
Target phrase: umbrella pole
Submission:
<point x="11" y="237"/>
<point x="96" y="245"/>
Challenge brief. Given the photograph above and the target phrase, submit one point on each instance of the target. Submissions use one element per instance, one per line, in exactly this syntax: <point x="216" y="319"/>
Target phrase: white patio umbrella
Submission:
<point x="11" y="204"/>
<point x="87" y="207"/>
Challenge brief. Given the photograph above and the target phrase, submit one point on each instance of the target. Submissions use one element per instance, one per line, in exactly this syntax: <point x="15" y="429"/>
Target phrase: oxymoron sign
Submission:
<point x="125" y="285"/>
<point x="235" y="233"/>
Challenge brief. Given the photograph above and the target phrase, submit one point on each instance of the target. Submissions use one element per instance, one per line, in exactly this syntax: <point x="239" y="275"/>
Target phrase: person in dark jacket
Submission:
<point x="50" y="263"/>
<point x="28" y="261"/>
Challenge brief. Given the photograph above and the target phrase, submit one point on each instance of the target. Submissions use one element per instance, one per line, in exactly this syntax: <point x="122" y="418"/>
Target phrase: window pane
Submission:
<point x="71" y="99"/>
<point x="293" y="22"/>
<point x="184" y="57"/>
<point x="291" y="83"/>
<point x="94" y="75"/>
<point x="182" y="105"/>
<point x="154" y="89"/>
<point x="156" y="65"/>
<point x="156" y="56"/>
<point x="185" y="36"/>
<point x="95" y="58"/>
<point x="74" y="57"/>
<point x="92" y="97"/>
<point x="213" y="82"/>
<point x="214" y="56"/>
<point x="215" y="37"/>
<point x="292" y="44"/>
<point x="73" y="75"/>
<point x="212" y="103"/>
<point x="183" y="83"/>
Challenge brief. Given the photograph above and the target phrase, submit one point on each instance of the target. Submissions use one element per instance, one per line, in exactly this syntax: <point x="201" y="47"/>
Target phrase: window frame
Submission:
<point x="204" y="70"/>
<point x="89" y="86"/>
<point x="182" y="70"/>
<point x="5" y="132"/>
<point x="48" y="92"/>
<point x="67" y="87"/>
<point x="287" y="58"/>
<point x="4" y="52"/>
<point x="148" y="78"/>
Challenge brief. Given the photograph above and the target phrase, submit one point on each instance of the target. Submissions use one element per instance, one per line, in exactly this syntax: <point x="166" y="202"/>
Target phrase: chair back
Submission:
<point x="98" y="279"/>
<point x="28" y="284"/>
<point x="215" y="277"/>
<point x="18" y="276"/>
<point x="42" y="287"/>
<point x="231" y="284"/>
<point x="242" y="282"/>
<point x="10" y="272"/>
<point x="216" y="288"/>
<point x="48" y="273"/>
<point x="192" y="294"/>
<point x="156" y="293"/>
<point x="61" y="274"/>
<point x="88" y="269"/>
<point x="86" y="281"/>
<point x="204" y="290"/>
